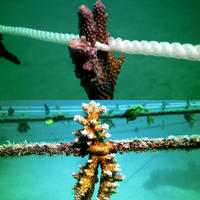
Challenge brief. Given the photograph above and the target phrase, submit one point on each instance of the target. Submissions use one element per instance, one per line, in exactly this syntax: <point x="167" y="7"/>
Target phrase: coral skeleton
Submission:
<point x="97" y="70"/>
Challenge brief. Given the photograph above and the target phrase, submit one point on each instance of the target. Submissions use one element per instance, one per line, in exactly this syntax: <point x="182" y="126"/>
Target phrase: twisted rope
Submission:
<point x="37" y="34"/>
<point x="153" y="48"/>
<point x="122" y="146"/>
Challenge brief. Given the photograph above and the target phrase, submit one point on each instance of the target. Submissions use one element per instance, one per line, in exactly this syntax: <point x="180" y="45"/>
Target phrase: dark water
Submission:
<point x="152" y="175"/>
<point x="46" y="71"/>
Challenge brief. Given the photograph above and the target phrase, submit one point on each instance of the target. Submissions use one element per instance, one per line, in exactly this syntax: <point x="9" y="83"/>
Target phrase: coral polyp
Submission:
<point x="100" y="153"/>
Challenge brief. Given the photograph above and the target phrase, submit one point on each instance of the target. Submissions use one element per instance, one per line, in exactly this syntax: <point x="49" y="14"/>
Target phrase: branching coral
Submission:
<point x="97" y="70"/>
<point x="100" y="153"/>
<point x="90" y="141"/>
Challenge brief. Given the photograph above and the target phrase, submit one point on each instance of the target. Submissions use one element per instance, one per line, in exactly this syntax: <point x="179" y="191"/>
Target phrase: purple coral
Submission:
<point x="96" y="69"/>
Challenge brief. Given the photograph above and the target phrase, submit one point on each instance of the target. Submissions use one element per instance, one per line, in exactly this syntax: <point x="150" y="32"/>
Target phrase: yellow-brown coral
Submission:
<point x="100" y="153"/>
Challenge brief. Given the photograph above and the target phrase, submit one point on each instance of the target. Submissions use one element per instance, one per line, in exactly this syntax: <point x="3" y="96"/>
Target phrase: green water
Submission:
<point x="46" y="71"/>
<point x="153" y="175"/>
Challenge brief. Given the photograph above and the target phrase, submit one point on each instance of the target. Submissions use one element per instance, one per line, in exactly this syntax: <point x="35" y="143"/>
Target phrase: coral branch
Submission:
<point x="100" y="18"/>
<point x="87" y="178"/>
<point x="97" y="70"/>
<point x="101" y="153"/>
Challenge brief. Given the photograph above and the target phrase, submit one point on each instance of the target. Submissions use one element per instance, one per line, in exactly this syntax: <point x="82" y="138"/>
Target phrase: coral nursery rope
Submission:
<point x="37" y="34"/>
<point x="122" y="146"/>
<point x="153" y="48"/>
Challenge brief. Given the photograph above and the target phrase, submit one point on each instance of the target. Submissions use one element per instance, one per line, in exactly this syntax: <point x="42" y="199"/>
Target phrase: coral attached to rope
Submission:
<point x="97" y="69"/>
<point x="153" y="48"/>
<point x="90" y="141"/>
<point x="137" y="145"/>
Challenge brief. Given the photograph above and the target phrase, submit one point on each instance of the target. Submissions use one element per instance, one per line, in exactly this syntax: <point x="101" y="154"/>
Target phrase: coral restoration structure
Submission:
<point x="100" y="153"/>
<point x="90" y="141"/>
<point x="97" y="70"/>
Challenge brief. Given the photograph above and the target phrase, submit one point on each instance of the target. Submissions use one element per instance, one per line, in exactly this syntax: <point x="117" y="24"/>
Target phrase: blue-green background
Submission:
<point x="153" y="175"/>
<point x="46" y="71"/>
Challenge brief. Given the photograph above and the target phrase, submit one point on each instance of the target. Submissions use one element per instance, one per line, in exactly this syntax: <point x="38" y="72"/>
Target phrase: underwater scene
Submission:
<point x="27" y="72"/>
<point x="150" y="147"/>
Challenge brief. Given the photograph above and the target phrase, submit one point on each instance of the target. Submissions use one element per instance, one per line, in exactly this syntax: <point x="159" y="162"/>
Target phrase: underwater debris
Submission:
<point x="106" y="119"/>
<point x="132" y="113"/>
<point x="190" y="118"/>
<point x="150" y="121"/>
<point x="23" y="127"/>
<point x="56" y="118"/>
<point x="163" y="124"/>
<point x="7" y="55"/>
<point x="11" y="111"/>
<point x="49" y="122"/>
<point x="57" y="107"/>
<point x="46" y="109"/>
<point x="97" y="70"/>
<point x="164" y="104"/>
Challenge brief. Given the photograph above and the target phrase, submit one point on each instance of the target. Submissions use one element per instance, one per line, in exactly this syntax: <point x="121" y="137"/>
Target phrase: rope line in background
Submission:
<point x="153" y="48"/>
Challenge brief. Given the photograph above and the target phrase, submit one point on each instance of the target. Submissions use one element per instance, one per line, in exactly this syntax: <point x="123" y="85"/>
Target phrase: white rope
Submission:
<point x="153" y="48"/>
<point x="37" y="34"/>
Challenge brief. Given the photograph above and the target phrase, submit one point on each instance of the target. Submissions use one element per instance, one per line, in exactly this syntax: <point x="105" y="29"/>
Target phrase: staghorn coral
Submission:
<point x="100" y="153"/>
<point x="96" y="69"/>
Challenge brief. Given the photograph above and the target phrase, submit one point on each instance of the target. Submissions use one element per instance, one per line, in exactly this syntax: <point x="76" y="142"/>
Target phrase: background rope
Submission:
<point x="37" y="34"/>
<point x="153" y="48"/>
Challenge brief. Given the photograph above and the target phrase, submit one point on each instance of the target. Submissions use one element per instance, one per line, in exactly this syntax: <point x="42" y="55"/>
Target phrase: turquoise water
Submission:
<point x="152" y="175"/>
<point x="141" y="77"/>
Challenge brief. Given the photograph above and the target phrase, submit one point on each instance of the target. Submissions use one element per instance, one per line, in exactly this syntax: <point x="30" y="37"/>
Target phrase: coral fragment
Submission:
<point x="100" y="153"/>
<point x="97" y="70"/>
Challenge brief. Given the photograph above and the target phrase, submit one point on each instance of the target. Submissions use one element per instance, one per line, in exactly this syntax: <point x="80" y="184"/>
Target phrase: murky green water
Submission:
<point x="141" y="77"/>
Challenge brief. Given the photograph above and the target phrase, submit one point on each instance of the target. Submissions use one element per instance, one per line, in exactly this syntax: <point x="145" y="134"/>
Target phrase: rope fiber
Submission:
<point x="152" y="48"/>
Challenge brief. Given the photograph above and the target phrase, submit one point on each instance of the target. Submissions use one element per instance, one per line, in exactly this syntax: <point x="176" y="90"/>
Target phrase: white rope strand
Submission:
<point x="37" y="34"/>
<point x="153" y="48"/>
